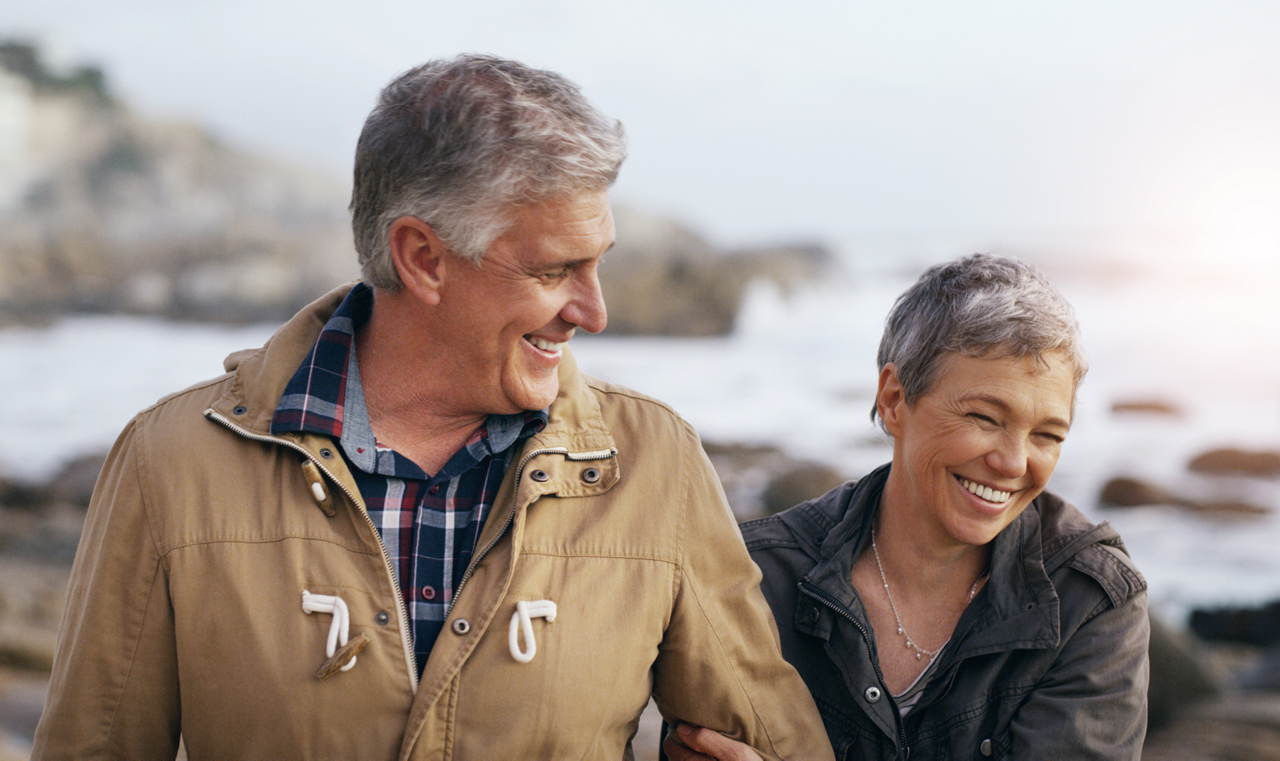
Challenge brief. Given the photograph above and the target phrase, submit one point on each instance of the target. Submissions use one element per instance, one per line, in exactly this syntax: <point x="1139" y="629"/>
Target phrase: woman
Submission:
<point x="946" y="606"/>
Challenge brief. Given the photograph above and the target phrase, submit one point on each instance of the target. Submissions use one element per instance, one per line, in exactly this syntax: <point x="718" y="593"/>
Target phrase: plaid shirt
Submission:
<point x="428" y="524"/>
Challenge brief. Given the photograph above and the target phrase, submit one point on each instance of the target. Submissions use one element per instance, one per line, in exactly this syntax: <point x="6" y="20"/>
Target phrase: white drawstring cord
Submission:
<point x="340" y="627"/>
<point x="520" y="620"/>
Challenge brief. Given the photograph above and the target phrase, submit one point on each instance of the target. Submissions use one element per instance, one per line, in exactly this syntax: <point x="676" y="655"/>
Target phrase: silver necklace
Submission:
<point x="920" y="651"/>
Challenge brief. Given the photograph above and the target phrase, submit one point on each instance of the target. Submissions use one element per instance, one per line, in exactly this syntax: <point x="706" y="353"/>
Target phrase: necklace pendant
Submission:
<point x="900" y="630"/>
<point x="917" y="656"/>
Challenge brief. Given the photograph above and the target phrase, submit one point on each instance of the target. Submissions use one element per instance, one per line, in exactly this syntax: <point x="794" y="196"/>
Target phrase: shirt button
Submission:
<point x="986" y="747"/>
<point x="435" y="489"/>
<point x="428" y="592"/>
<point x="540" y="476"/>
<point x="382" y="618"/>
<point x="461" y="626"/>
<point x="872" y="694"/>
<point x="591" y="475"/>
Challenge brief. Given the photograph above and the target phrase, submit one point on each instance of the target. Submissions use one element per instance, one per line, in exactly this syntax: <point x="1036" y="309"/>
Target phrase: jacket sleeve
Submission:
<point x="114" y="688"/>
<point x="1092" y="704"/>
<point x="720" y="664"/>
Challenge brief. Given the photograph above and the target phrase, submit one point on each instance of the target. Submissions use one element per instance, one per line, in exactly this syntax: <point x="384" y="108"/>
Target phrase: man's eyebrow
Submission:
<point x="582" y="260"/>
<point x="1003" y="406"/>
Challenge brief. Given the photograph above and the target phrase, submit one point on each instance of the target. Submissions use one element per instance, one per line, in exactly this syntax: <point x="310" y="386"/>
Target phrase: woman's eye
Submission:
<point x="982" y="418"/>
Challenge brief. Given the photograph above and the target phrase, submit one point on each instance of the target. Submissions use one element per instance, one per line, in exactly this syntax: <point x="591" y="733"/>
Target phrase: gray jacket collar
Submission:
<point x="1017" y="608"/>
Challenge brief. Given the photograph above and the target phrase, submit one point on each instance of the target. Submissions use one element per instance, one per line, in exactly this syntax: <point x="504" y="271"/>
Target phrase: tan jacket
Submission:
<point x="185" y="607"/>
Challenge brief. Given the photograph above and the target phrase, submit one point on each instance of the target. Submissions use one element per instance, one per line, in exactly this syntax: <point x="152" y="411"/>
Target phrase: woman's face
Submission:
<point x="971" y="454"/>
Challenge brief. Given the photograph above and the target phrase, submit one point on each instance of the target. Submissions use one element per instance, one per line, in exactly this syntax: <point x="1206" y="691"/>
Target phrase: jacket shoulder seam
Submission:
<point x="608" y="389"/>
<point x="771" y="531"/>
<point x="169" y="398"/>
<point x="1116" y="575"/>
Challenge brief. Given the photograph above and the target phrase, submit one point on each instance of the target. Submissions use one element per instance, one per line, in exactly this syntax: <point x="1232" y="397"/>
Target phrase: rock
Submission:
<point x="664" y="279"/>
<point x="1178" y="678"/>
<point x="798" y="484"/>
<point x="105" y="210"/>
<point x="1146" y="407"/>
<point x="1130" y="492"/>
<point x="1266" y="675"/>
<point x="1228" y="509"/>
<point x="116" y="212"/>
<point x="22" y="495"/>
<point x="1250" y="626"/>
<point x="1237" y="462"/>
<point x="760" y="480"/>
<point x="73" y="484"/>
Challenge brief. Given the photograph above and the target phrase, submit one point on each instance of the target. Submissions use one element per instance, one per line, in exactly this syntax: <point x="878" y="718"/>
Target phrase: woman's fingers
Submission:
<point x="690" y="743"/>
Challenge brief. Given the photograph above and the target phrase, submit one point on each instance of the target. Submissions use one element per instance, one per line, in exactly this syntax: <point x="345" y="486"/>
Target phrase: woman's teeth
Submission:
<point x="986" y="492"/>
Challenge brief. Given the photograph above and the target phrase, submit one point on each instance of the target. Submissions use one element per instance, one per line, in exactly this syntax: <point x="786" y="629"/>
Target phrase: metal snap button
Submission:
<point x="540" y="476"/>
<point x="872" y="694"/>
<point x="986" y="747"/>
<point x="382" y="618"/>
<point x="461" y="626"/>
<point x="240" y="410"/>
<point x="812" y="616"/>
<point x="326" y="453"/>
<point x="591" y="475"/>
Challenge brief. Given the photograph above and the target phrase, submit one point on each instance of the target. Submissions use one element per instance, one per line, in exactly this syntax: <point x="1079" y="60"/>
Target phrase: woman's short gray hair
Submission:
<point x="979" y="306"/>
<point x="458" y="143"/>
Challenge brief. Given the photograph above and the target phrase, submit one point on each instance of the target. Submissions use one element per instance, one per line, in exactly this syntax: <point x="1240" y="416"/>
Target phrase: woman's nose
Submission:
<point x="1009" y="457"/>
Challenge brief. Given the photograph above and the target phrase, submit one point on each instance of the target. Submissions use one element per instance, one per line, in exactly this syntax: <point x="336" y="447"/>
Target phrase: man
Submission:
<point x="407" y="527"/>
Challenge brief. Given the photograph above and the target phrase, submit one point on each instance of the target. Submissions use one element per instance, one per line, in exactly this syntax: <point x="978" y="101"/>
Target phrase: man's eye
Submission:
<point x="982" y="418"/>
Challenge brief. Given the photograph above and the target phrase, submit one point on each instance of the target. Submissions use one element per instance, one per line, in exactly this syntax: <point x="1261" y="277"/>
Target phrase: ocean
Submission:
<point x="799" y="372"/>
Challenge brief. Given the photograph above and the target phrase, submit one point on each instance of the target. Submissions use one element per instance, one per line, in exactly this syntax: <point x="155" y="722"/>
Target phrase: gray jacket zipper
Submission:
<point x="816" y="593"/>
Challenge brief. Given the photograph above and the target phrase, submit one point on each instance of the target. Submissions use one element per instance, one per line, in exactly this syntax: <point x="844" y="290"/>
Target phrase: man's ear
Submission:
<point x="420" y="258"/>
<point x="891" y="399"/>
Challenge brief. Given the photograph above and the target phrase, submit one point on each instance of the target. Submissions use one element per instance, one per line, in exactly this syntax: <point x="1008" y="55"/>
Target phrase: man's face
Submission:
<point x="511" y="316"/>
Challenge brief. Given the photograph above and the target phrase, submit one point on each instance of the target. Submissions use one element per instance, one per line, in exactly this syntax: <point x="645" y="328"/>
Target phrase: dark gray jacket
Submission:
<point x="1049" y="661"/>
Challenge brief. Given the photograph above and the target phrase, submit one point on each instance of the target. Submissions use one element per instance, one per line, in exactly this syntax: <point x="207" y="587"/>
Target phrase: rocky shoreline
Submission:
<point x="1215" y="688"/>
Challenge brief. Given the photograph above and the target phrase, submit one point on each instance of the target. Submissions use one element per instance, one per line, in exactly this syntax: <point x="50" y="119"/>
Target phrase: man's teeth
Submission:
<point x="986" y="492"/>
<point x="545" y="345"/>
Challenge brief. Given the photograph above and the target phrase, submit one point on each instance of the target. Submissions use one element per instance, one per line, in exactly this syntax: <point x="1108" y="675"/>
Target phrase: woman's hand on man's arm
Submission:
<point x="686" y="742"/>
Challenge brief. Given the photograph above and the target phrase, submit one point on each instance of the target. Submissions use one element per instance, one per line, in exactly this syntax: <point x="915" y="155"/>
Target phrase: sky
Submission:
<point x="1145" y="130"/>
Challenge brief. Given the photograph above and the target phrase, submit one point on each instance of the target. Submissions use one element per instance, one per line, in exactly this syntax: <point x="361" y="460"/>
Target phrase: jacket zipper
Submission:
<point x="405" y="639"/>
<point x="816" y="593"/>
<point x="602" y="454"/>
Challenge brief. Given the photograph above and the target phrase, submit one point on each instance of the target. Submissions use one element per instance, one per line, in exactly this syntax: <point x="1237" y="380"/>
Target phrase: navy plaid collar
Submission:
<point x="325" y="396"/>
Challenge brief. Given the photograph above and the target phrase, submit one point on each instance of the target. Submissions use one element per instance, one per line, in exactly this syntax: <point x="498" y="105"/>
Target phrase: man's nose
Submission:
<point x="586" y="309"/>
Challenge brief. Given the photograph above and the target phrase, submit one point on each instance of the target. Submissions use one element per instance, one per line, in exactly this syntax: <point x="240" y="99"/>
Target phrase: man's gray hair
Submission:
<point x="459" y="143"/>
<point x="979" y="306"/>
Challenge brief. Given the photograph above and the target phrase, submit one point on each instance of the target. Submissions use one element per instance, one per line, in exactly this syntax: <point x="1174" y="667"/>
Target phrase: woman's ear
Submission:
<point x="891" y="398"/>
<point x="420" y="258"/>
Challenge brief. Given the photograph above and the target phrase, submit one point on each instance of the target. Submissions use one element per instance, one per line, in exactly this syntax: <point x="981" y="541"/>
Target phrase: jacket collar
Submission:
<point x="259" y="377"/>
<point x="1018" y="607"/>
